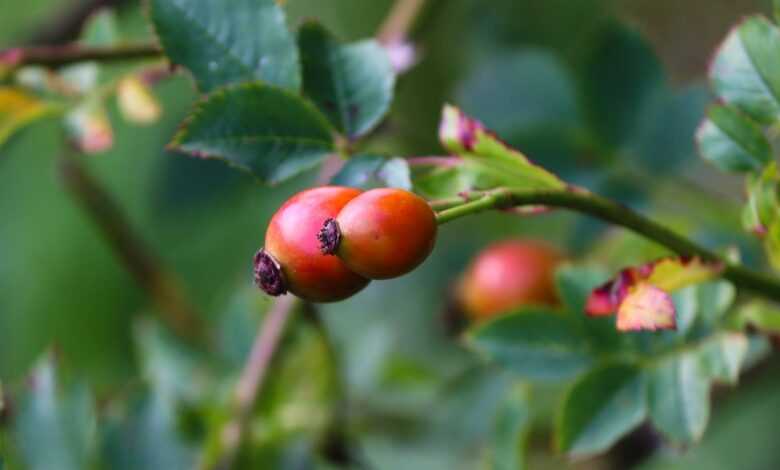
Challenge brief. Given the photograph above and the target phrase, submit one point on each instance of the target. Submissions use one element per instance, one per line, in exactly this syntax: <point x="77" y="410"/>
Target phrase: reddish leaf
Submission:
<point x="640" y="294"/>
<point x="646" y="307"/>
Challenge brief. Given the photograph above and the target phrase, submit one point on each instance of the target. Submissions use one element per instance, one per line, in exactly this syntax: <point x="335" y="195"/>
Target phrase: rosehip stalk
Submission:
<point x="609" y="211"/>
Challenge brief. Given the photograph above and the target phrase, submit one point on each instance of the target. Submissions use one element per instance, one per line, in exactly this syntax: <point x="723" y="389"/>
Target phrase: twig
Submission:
<point x="163" y="287"/>
<point x="251" y="380"/>
<point x="57" y="56"/>
<point x="617" y="214"/>
<point x="66" y="24"/>
<point x="399" y="21"/>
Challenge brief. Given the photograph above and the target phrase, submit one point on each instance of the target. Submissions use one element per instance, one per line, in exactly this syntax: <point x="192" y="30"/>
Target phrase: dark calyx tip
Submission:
<point x="329" y="237"/>
<point x="268" y="274"/>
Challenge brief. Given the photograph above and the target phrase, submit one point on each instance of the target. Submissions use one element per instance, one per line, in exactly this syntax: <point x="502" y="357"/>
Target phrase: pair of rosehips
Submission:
<point x="326" y="244"/>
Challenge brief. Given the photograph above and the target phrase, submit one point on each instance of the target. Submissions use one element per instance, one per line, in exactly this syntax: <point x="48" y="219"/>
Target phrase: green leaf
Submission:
<point x="146" y="436"/>
<point x="575" y="284"/>
<point x="776" y="10"/>
<point x="679" y="397"/>
<point x="223" y="42"/>
<point x="536" y="345"/>
<point x="55" y="425"/>
<point x="374" y="171"/>
<point x="441" y="182"/>
<point x="170" y="367"/>
<point x="264" y="130"/>
<point x="714" y="300"/>
<point x="619" y="76"/>
<point x="731" y="141"/>
<point x="352" y="84"/>
<point x="772" y="244"/>
<point x="686" y="304"/>
<point x="100" y="29"/>
<point x="485" y="161"/>
<point x="601" y="407"/>
<point x="667" y="122"/>
<point x="763" y="316"/>
<point x="536" y="94"/>
<point x="723" y="356"/>
<point x="763" y="205"/>
<point x="746" y="69"/>
<point x="507" y="451"/>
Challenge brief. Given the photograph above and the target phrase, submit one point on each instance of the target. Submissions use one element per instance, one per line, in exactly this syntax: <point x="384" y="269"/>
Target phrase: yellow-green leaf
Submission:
<point x="17" y="109"/>
<point x="486" y="162"/>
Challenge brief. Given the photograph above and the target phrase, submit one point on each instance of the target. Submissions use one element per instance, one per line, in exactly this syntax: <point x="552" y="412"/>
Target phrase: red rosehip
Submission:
<point x="292" y="261"/>
<point x="382" y="233"/>
<point x="508" y="275"/>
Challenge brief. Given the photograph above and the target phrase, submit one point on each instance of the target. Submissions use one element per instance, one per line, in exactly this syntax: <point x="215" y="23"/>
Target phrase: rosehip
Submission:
<point x="382" y="233"/>
<point x="508" y="275"/>
<point x="292" y="261"/>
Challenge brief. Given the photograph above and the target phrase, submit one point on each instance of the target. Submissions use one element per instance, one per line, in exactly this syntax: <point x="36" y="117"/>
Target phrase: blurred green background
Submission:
<point x="526" y="69"/>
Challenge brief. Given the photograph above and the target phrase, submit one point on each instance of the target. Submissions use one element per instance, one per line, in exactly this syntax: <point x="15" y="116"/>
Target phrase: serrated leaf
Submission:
<point x="646" y="308"/>
<point x="352" y="84"/>
<point x="723" y="355"/>
<point x="614" y="94"/>
<point x="487" y="162"/>
<point x="536" y="345"/>
<point x="746" y="69"/>
<point x="224" y="42"/>
<point x="55" y="425"/>
<point x="17" y="109"/>
<point x="264" y="130"/>
<point x="646" y="290"/>
<point x="374" y="171"/>
<point x="732" y="141"/>
<point x="675" y="273"/>
<point x="679" y="391"/>
<point x="601" y="407"/>
<point x="507" y="450"/>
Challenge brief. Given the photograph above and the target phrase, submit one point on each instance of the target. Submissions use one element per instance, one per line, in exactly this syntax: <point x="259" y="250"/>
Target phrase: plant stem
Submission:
<point x="66" y="23"/>
<point x="57" y="56"/>
<point x="162" y="286"/>
<point x="251" y="380"/>
<point x="399" y="21"/>
<point x="617" y="214"/>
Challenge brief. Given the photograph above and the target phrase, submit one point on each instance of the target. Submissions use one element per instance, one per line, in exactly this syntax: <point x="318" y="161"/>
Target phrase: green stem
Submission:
<point x="617" y="214"/>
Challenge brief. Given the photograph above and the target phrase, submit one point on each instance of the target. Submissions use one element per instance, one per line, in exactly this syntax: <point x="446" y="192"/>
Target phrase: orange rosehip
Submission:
<point x="509" y="275"/>
<point x="292" y="261"/>
<point x="382" y="233"/>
